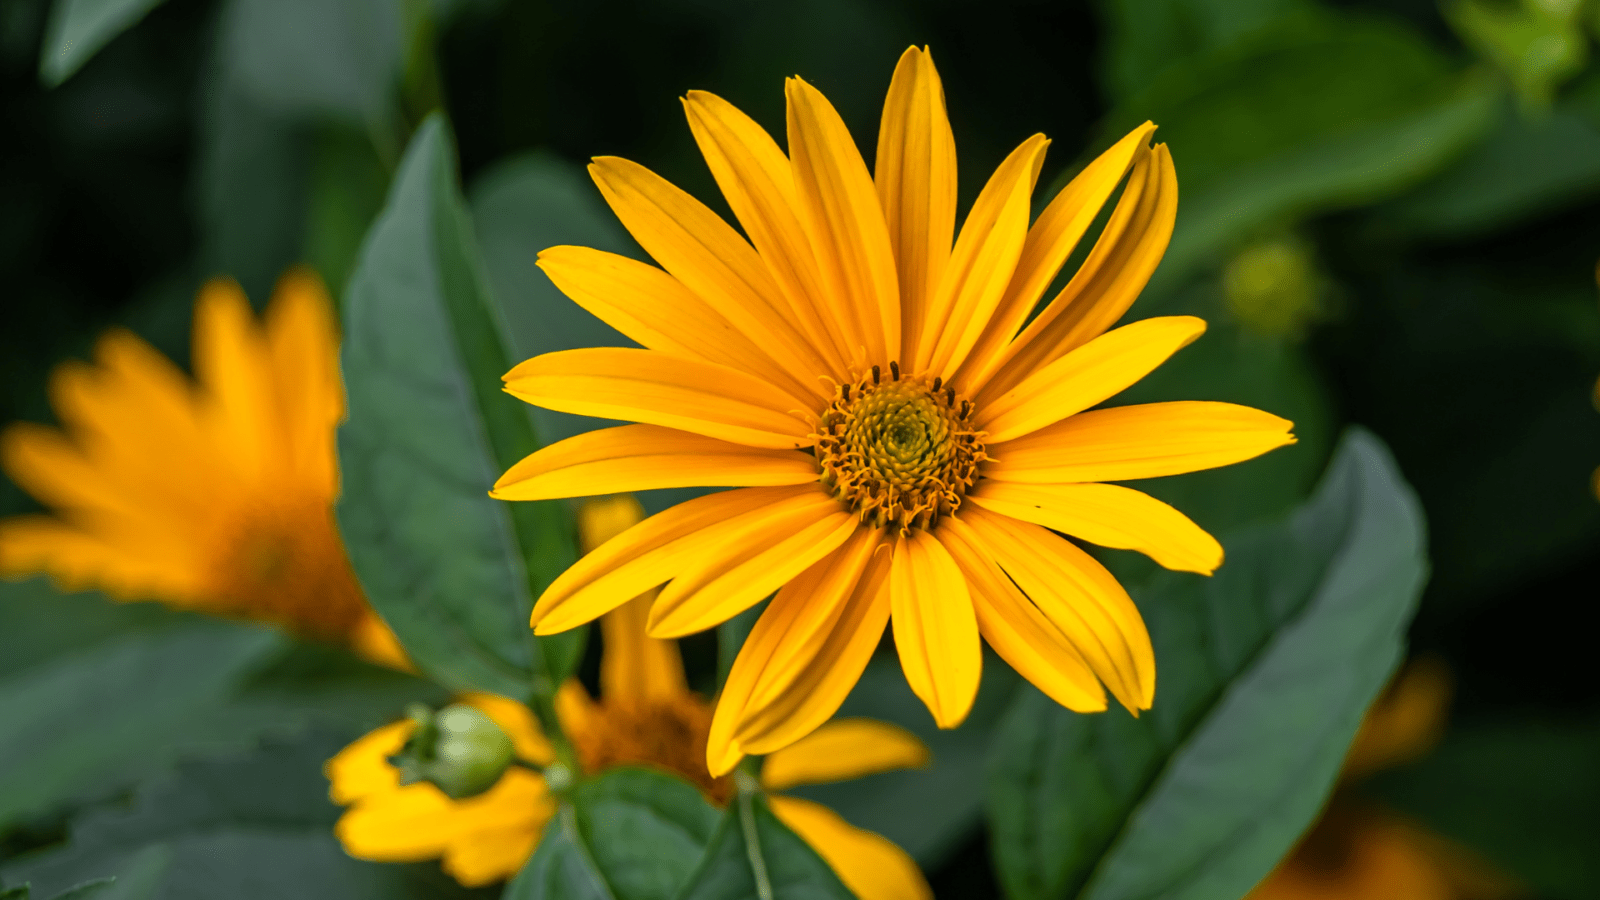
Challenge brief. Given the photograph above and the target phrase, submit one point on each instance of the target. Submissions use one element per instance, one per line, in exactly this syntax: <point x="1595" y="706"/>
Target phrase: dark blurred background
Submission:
<point x="1388" y="219"/>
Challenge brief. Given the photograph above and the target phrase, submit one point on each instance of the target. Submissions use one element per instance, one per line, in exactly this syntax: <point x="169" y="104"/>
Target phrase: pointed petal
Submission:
<point x="232" y="365"/>
<point x="1141" y="441"/>
<point x="790" y="635"/>
<point x="1099" y="369"/>
<point x="842" y="217"/>
<point x="1050" y="241"/>
<point x="750" y="565"/>
<point x="646" y="457"/>
<point x="655" y="551"/>
<point x="362" y="768"/>
<point x="870" y="865"/>
<point x="1017" y="630"/>
<point x="303" y="344"/>
<point x="1079" y="597"/>
<point x="935" y="629"/>
<point x="841" y="750"/>
<point x="758" y="182"/>
<point x="1108" y="515"/>
<point x="710" y="258"/>
<point x="637" y="670"/>
<point x="657" y="389"/>
<point x="915" y="175"/>
<point x="1117" y="269"/>
<point x="982" y="263"/>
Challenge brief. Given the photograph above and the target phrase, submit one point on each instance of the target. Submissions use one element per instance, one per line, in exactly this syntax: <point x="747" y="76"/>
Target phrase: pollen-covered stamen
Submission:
<point x="900" y="451"/>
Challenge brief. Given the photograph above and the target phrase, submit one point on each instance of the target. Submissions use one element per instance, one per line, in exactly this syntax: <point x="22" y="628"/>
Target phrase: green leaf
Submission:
<point x="79" y="28"/>
<point x="1265" y="670"/>
<point x="631" y="834"/>
<point x="74" y="722"/>
<point x="1145" y="37"/>
<point x="1530" y="808"/>
<point x="1320" y="112"/>
<point x="305" y="58"/>
<point x="100" y="887"/>
<point x="451" y="570"/>
<point x="752" y="854"/>
<point x="252" y="826"/>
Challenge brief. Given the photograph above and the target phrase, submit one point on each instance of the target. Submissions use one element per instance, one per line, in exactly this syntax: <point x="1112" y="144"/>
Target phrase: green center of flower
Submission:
<point x="901" y="451"/>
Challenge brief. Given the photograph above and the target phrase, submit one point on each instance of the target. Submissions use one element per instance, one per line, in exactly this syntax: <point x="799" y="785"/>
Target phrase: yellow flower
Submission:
<point x="646" y="715"/>
<point x="1358" y="850"/>
<point x="213" y="494"/>
<point x="903" y="436"/>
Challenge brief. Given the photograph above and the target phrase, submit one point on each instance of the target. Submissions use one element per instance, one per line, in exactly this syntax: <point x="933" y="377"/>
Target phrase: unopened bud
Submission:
<point x="1273" y="287"/>
<point x="459" y="749"/>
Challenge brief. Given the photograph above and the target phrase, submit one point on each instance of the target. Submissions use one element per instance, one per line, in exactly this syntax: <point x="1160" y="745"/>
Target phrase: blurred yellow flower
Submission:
<point x="646" y="715"/>
<point x="1360" y="851"/>
<point x="904" y="433"/>
<point x="212" y="494"/>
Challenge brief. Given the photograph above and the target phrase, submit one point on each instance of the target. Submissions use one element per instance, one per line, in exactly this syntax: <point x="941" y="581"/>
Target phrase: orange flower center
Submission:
<point x="288" y="567"/>
<point x="669" y="735"/>
<point x="900" y="451"/>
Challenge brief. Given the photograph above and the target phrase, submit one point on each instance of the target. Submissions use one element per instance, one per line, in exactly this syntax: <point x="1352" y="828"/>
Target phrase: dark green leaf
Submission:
<point x="1521" y="792"/>
<point x="100" y="887"/>
<point x="74" y="721"/>
<point x="752" y="854"/>
<point x="631" y="834"/>
<point x="453" y="571"/>
<point x="1145" y="37"/>
<point x="317" y="57"/>
<point x="255" y="826"/>
<point x="79" y="28"/>
<point x="1265" y="670"/>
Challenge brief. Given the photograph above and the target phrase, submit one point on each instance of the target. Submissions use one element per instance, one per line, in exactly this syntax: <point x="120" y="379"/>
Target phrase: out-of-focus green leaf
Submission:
<point x="1523" y="793"/>
<point x="1319" y="112"/>
<point x="1526" y="167"/>
<point x="1265" y="670"/>
<point x="253" y="826"/>
<point x="96" y="888"/>
<point x="453" y="571"/>
<point x="71" y="720"/>
<point x="346" y="191"/>
<point x="928" y="812"/>
<point x="753" y="854"/>
<point x="1537" y="43"/>
<point x="1145" y="37"/>
<point x="631" y="834"/>
<point x="317" y="57"/>
<point x="79" y="28"/>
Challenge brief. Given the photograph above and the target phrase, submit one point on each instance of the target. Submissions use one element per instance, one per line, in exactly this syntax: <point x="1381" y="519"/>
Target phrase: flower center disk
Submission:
<point x="900" y="451"/>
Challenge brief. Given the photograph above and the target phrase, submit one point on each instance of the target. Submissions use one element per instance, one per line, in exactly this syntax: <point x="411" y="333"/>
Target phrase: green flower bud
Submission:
<point x="459" y="749"/>
<point x="1273" y="288"/>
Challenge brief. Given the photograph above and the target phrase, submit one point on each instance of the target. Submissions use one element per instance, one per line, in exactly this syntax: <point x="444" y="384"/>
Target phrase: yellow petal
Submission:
<point x="1017" y="630"/>
<point x="658" y="311"/>
<point x="982" y="262"/>
<point x="1108" y="515"/>
<point x="756" y="178"/>
<point x="915" y="175"/>
<point x="1099" y="369"/>
<point x="303" y="343"/>
<point x="1079" y="597"/>
<point x="362" y="769"/>
<point x="750" y="564"/>
<point x="935" y="629"/>
<point x="372" y="640"/>
<point x="711" y="259"/>
<point x="785" y="642"/>
<point x="657" y="389"/>
<point x="482" y="858"/>
<point x="232" y="364"/>
<point x="645" y="457"/>
<point x="408" y="824"/>
<point x="841" y="750"/>
<point x="840" y="212"/>
<point x="1053" y="237"/>
<point x="78" y="560"/>
<point x="636" y="670"/>
<point x="1142" y="441"/>
<point x="657" y="550"/>
<point x="1117" y="269"/>
<point x="870" y="865"/>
